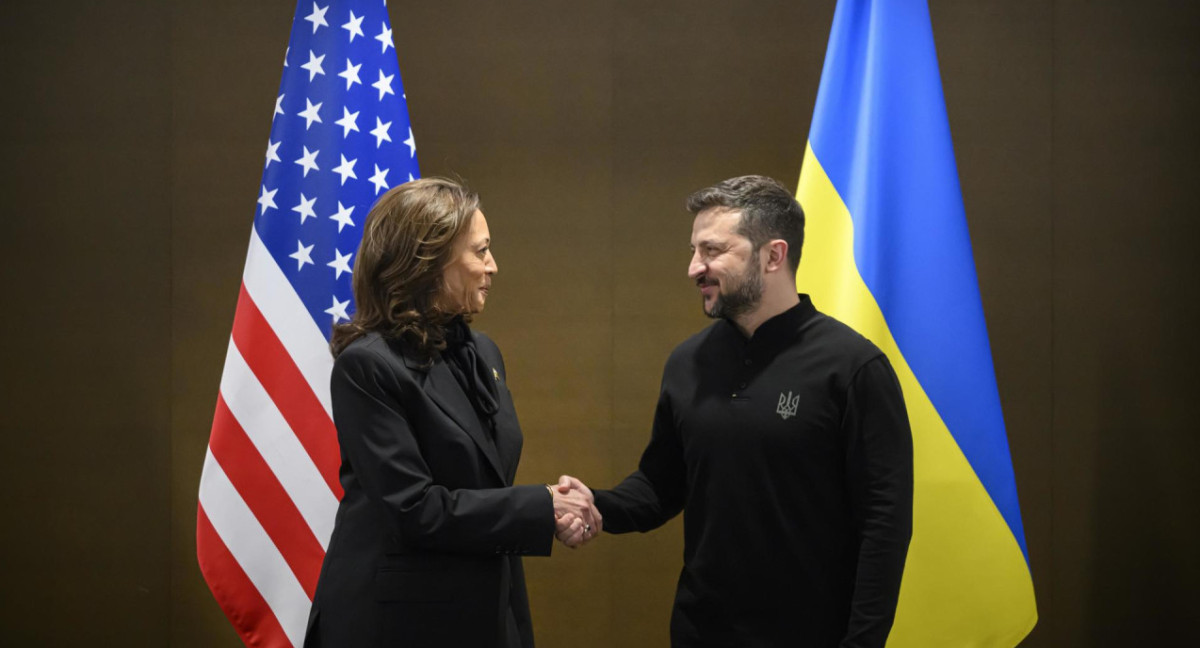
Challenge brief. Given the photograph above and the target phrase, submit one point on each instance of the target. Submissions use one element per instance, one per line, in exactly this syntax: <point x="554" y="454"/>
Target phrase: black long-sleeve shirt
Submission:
<point x="791" y="456"/>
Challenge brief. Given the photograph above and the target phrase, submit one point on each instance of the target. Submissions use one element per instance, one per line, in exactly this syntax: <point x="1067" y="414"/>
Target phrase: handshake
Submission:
<point x="576" y="520"/>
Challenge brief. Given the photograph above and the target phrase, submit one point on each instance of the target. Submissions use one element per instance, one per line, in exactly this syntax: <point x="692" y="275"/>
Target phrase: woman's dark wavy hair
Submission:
<point x="408" y="240"/>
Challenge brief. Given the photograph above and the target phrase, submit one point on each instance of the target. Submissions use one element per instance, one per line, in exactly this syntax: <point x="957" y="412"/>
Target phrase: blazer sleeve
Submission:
<point x="879" y="476"/>
<point x="377" y="440"/>
<point x="657" y="490"/>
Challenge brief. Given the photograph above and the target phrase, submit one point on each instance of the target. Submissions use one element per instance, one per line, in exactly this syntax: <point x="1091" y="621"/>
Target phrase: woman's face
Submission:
<point x="466" y="280"/>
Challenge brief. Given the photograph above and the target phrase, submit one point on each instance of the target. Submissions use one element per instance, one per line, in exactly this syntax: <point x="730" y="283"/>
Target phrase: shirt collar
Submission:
<point x="781" y="327"/>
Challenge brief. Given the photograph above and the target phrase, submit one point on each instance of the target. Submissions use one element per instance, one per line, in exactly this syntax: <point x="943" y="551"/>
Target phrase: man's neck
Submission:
<point x="773" y="303"/>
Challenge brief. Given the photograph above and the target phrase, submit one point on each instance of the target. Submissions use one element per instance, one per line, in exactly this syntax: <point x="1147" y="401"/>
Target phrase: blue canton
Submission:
<point x="339" y="139"/>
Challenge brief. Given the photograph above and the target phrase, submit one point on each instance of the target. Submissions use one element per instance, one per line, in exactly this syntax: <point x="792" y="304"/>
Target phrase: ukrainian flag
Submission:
<point x="888" y="252"/>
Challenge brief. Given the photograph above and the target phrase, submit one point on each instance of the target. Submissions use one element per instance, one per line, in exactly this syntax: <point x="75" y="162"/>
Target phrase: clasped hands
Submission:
<point x="576" y="520"/>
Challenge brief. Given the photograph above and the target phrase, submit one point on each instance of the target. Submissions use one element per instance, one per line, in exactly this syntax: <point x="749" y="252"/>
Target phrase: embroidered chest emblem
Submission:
<point x="788" y="405"/>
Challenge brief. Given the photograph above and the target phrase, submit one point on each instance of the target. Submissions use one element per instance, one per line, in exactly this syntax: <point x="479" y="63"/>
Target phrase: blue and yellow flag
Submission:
<point x="888" y="252"/>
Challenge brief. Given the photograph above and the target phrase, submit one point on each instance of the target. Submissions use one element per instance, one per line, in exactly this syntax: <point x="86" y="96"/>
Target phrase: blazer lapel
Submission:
<point x="444" y="390"/>
<point x="508" y="436"/>
<point x="508" y="430"/>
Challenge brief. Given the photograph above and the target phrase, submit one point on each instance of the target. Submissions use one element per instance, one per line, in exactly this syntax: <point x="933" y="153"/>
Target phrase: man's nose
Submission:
<point x="696" y="267"/>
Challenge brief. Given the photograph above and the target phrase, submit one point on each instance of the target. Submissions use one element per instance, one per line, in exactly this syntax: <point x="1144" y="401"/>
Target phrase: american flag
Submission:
<point x="340" y="137"/>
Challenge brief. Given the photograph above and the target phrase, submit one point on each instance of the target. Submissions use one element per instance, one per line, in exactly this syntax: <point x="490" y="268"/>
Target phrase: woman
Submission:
<point x="427" y="542"/>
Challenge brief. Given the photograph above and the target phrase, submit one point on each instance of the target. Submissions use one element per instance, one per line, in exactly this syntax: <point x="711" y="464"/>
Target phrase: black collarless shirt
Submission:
<point x="790" y="455"/>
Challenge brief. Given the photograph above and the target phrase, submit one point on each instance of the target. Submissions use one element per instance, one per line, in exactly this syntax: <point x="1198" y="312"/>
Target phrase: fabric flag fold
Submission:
<point x="340" y="137"/>
<point x="888" y="252"/>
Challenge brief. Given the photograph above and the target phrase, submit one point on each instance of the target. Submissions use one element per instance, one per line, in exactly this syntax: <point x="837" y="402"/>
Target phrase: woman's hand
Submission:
<point x="568" y="530"/>
<point x="576" y="517"/>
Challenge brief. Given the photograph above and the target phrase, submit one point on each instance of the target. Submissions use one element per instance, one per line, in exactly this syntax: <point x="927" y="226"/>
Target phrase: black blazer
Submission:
<point x="428" y="537"/>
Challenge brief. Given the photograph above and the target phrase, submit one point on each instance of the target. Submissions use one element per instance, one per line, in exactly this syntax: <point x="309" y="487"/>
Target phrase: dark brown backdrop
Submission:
<point x="132" y="142"/>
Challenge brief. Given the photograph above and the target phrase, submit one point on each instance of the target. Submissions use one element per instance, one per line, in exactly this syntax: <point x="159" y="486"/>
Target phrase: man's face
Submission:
<point x="724" y="264"/>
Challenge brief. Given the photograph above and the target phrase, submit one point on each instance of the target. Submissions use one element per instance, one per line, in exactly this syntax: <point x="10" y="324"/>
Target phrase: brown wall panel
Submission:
<point x="997" y="72"/>
<point x="227" y="59"/>
<point x="1124" y="487"/>
<point x="85" y="243"/>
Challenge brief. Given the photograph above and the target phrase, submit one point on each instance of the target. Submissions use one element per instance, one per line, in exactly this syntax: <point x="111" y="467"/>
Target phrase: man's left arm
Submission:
<point x="879" y="474"/>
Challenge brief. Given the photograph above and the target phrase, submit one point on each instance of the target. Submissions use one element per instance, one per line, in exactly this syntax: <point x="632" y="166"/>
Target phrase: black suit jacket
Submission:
<point x="427" y="543"/>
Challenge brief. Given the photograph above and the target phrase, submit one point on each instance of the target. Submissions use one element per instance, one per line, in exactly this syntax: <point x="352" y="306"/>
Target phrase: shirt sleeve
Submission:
<point x="376" y="438"/>
<point x="655" y="492"/>
<point x="879" y="474"/>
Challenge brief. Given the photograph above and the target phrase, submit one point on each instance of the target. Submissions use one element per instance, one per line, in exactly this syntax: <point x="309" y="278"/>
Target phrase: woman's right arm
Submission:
<point x="376" y="437"/>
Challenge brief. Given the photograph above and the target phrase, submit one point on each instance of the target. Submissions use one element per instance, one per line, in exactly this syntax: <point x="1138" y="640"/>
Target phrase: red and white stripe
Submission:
<point x="269" y="491"/>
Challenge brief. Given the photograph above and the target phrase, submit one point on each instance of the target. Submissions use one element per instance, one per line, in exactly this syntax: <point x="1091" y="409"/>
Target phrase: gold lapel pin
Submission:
<point x="495" y="374"/>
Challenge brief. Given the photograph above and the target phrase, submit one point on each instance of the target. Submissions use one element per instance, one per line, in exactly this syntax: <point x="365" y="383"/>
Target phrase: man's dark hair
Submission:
<point x="769" y="211"/>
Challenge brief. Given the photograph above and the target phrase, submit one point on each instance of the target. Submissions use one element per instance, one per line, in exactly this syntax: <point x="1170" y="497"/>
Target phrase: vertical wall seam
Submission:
<point x="1053" y="298"/>
<point x="171" y="544"/>
<point x="612" y="285"/>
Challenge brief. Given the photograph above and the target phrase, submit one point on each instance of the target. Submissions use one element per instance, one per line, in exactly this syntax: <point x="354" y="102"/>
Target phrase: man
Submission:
<point x="782" y="435"/>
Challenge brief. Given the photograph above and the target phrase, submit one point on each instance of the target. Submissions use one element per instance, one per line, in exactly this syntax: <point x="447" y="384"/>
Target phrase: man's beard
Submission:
<point x="742" y="299"/>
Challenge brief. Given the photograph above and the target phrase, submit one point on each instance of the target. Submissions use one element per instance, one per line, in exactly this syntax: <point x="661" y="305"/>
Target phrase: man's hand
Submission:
<point x="567" y="483"/>
<point x="576" y="518"/>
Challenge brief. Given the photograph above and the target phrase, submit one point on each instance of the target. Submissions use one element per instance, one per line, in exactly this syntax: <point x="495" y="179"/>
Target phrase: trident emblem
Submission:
<point x="787" y="405"/>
